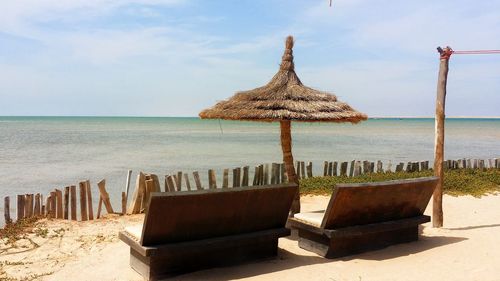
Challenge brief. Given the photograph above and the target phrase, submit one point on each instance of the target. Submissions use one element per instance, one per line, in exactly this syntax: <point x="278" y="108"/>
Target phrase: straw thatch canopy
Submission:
<point x="284" y="98"/>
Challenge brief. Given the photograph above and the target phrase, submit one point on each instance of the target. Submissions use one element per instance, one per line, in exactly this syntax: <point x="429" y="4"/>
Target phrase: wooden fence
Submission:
<point x="62" y="203"/>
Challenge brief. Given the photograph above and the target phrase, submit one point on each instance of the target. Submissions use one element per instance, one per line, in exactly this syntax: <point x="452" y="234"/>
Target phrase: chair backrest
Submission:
<point x="358" y="204"/>
<point x="193" y="215"/>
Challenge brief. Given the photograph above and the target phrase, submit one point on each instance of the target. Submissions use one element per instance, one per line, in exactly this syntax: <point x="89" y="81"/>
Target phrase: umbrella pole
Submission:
<point x="286" y="146"/>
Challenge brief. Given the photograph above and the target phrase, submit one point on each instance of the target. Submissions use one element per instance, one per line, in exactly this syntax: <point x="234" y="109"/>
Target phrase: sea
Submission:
<point x="38" y="154"/>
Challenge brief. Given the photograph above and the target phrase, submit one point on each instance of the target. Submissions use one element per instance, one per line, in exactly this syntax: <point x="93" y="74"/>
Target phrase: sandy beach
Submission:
<point x="465" y="249"/>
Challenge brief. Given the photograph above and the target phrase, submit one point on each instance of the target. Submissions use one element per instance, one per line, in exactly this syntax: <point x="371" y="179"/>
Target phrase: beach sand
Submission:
<point x="467" y="248"/>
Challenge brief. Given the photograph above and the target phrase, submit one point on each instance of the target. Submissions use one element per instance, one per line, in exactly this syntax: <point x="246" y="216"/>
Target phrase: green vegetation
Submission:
<point x="456" y="182"/>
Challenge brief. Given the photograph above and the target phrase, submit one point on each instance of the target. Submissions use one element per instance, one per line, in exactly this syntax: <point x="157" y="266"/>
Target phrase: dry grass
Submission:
<point x="284" y="98"/>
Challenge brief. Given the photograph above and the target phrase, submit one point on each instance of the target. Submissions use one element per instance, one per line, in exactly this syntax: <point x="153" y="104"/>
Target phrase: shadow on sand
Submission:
<point x="288" y="260"/>
<point x="474" y="227"/>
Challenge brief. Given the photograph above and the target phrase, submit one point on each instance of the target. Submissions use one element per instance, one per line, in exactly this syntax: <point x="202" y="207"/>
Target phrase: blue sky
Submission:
<point x="176" y="57"/>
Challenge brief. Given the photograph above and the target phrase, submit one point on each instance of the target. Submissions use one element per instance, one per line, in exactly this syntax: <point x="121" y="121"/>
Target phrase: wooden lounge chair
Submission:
<point x="368" y="216"/>
<point x="190" y="230"/>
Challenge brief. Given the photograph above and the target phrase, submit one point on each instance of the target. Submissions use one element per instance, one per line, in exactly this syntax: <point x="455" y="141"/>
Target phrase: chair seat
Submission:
<point x="135" y="231"/>
<point x="312" y="218"/>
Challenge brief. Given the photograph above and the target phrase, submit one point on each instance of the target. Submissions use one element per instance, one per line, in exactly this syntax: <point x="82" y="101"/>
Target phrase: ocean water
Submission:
<point x="38" y="154"/>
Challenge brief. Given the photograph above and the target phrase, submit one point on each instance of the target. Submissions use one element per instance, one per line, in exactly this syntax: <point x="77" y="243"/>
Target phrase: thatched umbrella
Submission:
<point x="284" y="99"/>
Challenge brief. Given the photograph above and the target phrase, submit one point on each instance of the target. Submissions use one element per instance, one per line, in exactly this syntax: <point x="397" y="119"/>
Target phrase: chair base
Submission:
<point x="359" y="239"/>
<point x="170" y="260"/>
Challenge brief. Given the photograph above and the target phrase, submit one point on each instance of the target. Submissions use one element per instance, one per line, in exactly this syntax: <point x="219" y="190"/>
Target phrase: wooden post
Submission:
<point x="302" y="170"/>
<point x="150" y="187"/>
<point x="330" y="169"/>
<point x="237" y="177"/>
<point x="127" y="186"/>
<point x="66" y="203"/>
<point x="310" y="170"/>
<point x="351" y="170"/>
<point x="197" y="180"/>
<point x="188" y="184"/>
<point x="59" y="204"/>
<point x="212" y="180"/>
<point x="38" y="209"/>
<point x="261" y="174"/>
<point x="379" y="167"/>
<point x="266" y="174"/>
<point x="89" y="198"/>
<point x="171" y="183"/>
<point x="28" y="206"/>
<point x="325" y="168"/>
<point x="273" y="173"/>
<point x="83" y="201"/>
<point x="256" y="176"/>
<point x="135" y="206"/>
<point x="124" y="203"/>
<point x="437" y="206"/>
<point x="72" y="195"/>
<point x="6" y="210"/>
<point x="334" y="168"/>
<point x="298" y="170"/>
<point x="225" y="178"/>
<point x="48" y="207"/>
<point x="53" y="204"/>
<point x="343" y="168"/>
<point x="104" y="195"/>
<point x="20" y="207"/>
<point x="245" y="176"/>
<point x="99" y="208"/>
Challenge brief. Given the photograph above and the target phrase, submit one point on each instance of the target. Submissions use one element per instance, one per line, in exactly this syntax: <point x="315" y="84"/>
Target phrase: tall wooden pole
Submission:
<point x="286" y="146"/>
<point x="437" y="206"/>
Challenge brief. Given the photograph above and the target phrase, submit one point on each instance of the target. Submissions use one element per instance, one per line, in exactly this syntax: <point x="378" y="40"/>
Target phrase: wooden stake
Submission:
<point x="89" y="198"/>
<point x="124" y="203"/>
<point x="212" y="180"/>
<point x="310" y="170"/>
<point x="135" y="205"/>
<point x="20" y="207"/>
<point x="53" y="204"/>
<point x="245" y="176"/>
<point x="178" y="181"/>
<point x="83" y="201"/>
<point x="237" y="177"/>
<point x="334" y="168"/>
<point x="256" y="176"/>
<point x="171" y="183"/>
<point x="197" y="180"/>
<point x="127" y="184"/>
<point x="28" y="206"/>
<point x="104" y="196"/>
<point x="225" y="178"/>
<point x="66" y="203"/>
<point x="99" y="208"/>
<point x="351" y="170"/>
<point x="330" y="169"/>
<point x="59" y="204"/>
<point x="6" y="210"/>
<point x="325" y="169"/>
<point x="437" y="206"/>
<point x="188" y="184"/>
<point x="38" y="209"/>
<point x="72" y="194"/>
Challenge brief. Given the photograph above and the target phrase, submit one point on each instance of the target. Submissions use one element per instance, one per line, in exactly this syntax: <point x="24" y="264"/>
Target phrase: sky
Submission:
<point x="177" y="57"/>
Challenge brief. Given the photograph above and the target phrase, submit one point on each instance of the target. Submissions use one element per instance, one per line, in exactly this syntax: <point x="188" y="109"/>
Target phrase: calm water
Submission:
<point x="38" y="154"/>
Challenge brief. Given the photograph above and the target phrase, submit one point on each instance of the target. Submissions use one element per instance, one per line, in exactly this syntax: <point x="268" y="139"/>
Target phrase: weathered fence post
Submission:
<point x="245" y="176"/>
<point x="38" y="209"/>
<point x="83" y="201"/>
<point x="225" y="178"/>
<point x="20" y="207"/>
<point x="212" y="181"/>
<point x="66" y="202"/>
<point x="197" y="180"/>
<point x="72" y="194"/>
<point x="59" y="204"/>
<point x="6" y="210"/>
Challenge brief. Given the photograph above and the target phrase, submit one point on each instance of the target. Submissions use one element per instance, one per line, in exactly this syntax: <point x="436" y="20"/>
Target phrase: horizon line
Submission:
<point x="139" y="116"/>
